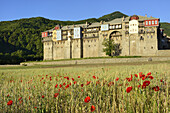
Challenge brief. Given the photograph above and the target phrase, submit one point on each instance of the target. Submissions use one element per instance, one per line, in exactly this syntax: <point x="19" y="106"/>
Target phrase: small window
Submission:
<point x="149" y="22"/>
<point x="152" y="22"/>
<point x="156" y="22"/>
<point x="89" y="45"/>
<point x="144" y="47"/>
<point x="55" y="43"/>
<point x="95" y="40"/>
<point x="151" y="36"/>
<point x="151" y="47"/>
<point x="146" y="22"/>
<point x="88" y="41"/>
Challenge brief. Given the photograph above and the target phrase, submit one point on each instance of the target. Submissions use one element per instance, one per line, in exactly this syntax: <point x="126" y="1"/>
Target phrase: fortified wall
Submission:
<point x="137" y="36"/>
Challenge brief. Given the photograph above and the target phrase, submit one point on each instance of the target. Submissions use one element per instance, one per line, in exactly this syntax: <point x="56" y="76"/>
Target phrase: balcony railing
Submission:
<point x="150" y="31"/>
<point x="47" y="39"/>
<point x="141" y="25"/>
<point x="141" y="32"/>
<point x="96" y="36"/>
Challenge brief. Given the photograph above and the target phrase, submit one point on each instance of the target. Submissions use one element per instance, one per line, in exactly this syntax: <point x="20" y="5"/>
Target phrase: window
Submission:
<point x="151" y="47"/>
<point x="146" y="22"/>
<point x="152" y="22"/>
<point x="149" y="22"/>
<point x="156" y="22"/>
<point x="151" y="36"/>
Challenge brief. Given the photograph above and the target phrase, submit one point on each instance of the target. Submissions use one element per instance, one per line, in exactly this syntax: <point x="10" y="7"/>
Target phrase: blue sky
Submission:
<point x="82" y="9"/>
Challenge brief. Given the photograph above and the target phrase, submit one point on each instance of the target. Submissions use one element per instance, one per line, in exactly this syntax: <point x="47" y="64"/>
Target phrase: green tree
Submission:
<point x="111" y="48"/>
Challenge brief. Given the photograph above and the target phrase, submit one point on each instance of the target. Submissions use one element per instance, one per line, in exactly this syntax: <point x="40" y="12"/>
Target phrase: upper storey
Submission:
<point x="131" y="24"/>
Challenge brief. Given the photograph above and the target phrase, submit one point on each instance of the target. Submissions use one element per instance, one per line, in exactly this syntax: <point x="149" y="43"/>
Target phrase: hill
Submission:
<point x="20" y="40"/>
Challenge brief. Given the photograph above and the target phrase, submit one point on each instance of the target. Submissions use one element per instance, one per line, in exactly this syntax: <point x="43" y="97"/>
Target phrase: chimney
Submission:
<point x="123" y="18"/>
<point x="145" y="15"/>
<point x="86" y="23"/>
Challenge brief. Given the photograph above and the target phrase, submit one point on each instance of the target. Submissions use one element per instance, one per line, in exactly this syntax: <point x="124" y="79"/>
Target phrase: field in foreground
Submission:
<point x="100" y="89"/>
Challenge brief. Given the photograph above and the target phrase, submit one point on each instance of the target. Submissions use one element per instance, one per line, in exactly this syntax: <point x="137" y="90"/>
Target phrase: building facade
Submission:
<point x="137" y="36"/>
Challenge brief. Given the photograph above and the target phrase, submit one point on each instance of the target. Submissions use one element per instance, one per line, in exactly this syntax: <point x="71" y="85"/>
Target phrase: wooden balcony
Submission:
<point x="46" y="39"/>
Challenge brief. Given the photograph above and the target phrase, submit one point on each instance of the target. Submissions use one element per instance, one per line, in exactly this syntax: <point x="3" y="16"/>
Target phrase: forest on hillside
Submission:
<point x="20" y="40"/>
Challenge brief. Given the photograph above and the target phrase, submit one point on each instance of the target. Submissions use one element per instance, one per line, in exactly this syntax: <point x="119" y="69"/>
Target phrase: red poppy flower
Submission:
<point x="67" y="86"/>
<point x="10" y="102"/>
<point x="94" y="77"/>
<point x="58" y="90"/>
<point x="29" y="97"/>
<point x="42" y="96"/>
<point x="46" y="75"/>
<point x="20" y="98"/>
<point x="8" y="95"/>
<point x="129" y="89"/>
<point x="149" y="73"/>
<point x="75" y="82"/>
<point x="92" y="108"/>
<point x="82" y="85"/>
<point x="88" y="82"/>
<point x="60" y="85"/>
<point x="78" y="76"/>
<point x="143" y="78"/>
<point x="67" y="78"/>
<point x="150" y="77"/>
<point x="161" y="80"/>
<point x="87" y="99"/>
<point x="117" y="79"/>
<point x="156" y="88"/>
<point x="56" y="85"/>
<point x="35" y="107"/>
<point x="73" y="79"/>
<point x="56" y="94"/>
<point x="146" y="83"/>
<point x="43" y="82"/>
<point x="64" y="83"/>
<point x="136" y="75"/>
<point x="21" y="80"/>
<point x="70" y="84"/>
<point x="42" y="78"/>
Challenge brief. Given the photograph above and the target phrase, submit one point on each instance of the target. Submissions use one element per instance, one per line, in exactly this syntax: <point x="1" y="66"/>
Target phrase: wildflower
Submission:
<point x="20" y="98"/>
<point x="129" y="89"/>
<point x="150" y="77"/>
<point x="10" y="102"/>
<point x="56" y="94"/>
<point x="73" y="79"/>
<point x="67" y="86"/>
<point x="92" y="108"/>
<point x="94" y="77"/>
<point x="136" y="75"/>
<point x="146" y="83"/>
<point x="64" y="83"/>
<point x="42" y="96"/>
<point x="35" y="107"/>
<point x="81" y="85"/>
<point x="87" y="99"/>
<point x="143" y="78"/>
<point x="161" y="80"/>
<point x="8" y="95"/>
<point x="70" y="83"/>
<point x="156" y="88"/>
<point x="60" y="85"/>
<point x="58" y="90"/>
<point x="149" y="73"/>
<point x="78" y="76"/>
<point x="56" y="85"/>
<point x="75" y="82"/>
<point x="29" y="97"/>
<point x="88" y="82"/>
<point x="117" y="79"/>
<point x="43" y="82"/>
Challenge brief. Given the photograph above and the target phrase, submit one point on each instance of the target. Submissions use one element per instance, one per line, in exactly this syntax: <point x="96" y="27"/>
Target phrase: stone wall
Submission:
<point x="100" y="61"/>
